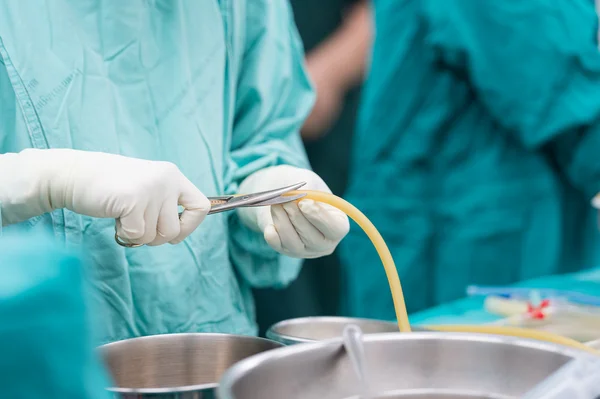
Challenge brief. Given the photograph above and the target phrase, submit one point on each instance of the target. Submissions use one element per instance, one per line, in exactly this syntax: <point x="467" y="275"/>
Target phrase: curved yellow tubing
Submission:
<point x="380" y="245"/>
<point x="396" y="288"/>
<point x="516" y="332"/>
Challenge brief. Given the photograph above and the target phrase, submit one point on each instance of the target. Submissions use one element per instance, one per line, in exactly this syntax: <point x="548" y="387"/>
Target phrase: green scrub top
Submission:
<point x="476" y="154"/>
<point x="216" y="87"/>
<point x="317" y="289"/>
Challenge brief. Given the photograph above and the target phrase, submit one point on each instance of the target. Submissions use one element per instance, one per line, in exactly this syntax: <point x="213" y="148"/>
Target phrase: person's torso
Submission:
<point x="456" y="197"/>
<point x="150" y="79"/>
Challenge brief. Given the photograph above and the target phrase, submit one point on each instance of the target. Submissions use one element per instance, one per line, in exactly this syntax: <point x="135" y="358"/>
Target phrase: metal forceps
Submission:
<point x="230" y="202"/>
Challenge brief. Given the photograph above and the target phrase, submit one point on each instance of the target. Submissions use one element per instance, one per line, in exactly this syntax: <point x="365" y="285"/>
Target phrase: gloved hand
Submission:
<point x="306" y="229"/>
<point x="596" y="201"/>
<point x="142" y="196"/>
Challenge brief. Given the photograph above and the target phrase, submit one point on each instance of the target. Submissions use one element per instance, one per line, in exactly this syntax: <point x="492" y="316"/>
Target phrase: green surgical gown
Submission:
<point x="215" y="86"/>
<point x="478" y="148"/>
<point x="46" y="337"/>
<point x="316" y="290"/>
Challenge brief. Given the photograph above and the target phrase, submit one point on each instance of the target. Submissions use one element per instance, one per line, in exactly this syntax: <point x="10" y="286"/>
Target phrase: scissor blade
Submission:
<point x="256" y="198"/>
<point x="282" y="199"/>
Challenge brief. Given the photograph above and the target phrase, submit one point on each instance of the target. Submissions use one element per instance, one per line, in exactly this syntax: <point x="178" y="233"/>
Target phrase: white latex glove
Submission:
<point x="306" y="229"/>
<point x="142" y="196"/>
<point x="596" y="201"/>
<point x="596" y="204"/>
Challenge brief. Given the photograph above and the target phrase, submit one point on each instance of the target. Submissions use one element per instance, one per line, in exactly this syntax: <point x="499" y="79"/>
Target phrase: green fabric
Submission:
<point x="477" y="148"/>
<point x="471" y="310"/>
<point x="316" y="291"/>
<point x="329" y="155"/>
<point x="216" y="87"/>
<point x="45" y="334"/>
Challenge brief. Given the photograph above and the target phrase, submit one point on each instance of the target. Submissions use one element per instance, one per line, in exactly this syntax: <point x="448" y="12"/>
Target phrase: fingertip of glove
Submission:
<point x="292" y="208"/>
<point x="319" y="209"/>
<point x="203" y="206"/>
<point x="270" y="232"/>
<point x="176" y="241"/>
<point x="206" y="204"/>
<point x="306" y="202"/>
<point x="272" y="237"/>
<point x="306" y="205"/>
<point x="132" y="235"/>
<point x="596" y="201"/>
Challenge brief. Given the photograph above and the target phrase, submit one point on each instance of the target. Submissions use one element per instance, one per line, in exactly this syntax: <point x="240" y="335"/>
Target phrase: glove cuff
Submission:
<point x="33" y="186"/>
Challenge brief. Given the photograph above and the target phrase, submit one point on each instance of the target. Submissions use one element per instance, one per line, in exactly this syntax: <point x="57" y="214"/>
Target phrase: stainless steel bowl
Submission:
<point x="416" y="365"/>
<point x="434" y="394"/>
<point x="182" y="366"/>
<point x="311" y="329"/>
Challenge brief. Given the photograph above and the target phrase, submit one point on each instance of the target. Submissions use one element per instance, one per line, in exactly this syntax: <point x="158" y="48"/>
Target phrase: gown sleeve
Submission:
<point x="272" y="100"/>
<point x="535" y="67"/>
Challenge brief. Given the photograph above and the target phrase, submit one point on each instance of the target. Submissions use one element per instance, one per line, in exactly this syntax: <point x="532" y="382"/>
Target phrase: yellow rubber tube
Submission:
<point x="396" y="288"/>
<point x="380" y="245"/>
<point x="516" y="332"/>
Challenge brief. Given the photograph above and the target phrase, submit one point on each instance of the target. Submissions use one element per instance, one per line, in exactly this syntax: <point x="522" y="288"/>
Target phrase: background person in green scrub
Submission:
<point x="337" y="37"/>
<point x="477" y="149"/>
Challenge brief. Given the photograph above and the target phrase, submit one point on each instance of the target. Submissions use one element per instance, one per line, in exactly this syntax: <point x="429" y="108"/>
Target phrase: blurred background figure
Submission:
<point x="46" y="337"/>
<point x="476" y="152"/>
<point x="337" y="40"/>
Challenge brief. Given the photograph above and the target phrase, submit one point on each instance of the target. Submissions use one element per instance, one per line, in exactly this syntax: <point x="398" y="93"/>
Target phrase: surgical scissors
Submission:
<point x="230" y="202"/>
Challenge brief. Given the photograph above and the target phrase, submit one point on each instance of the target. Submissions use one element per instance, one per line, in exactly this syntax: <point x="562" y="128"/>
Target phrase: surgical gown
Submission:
<point x="215" y="86"/>
<point x="316" y="291"/>
<point x="46" y="337"/>
<point x="478" y="148"/>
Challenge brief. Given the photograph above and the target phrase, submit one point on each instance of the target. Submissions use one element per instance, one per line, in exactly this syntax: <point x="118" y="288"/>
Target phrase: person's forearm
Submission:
<point x="335" y="67"/>
<point x="346" y="50"/>
<point x="24" y="186"/>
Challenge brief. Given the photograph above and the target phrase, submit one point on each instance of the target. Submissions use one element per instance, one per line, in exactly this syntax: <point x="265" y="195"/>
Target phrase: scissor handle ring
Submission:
<point x="126" y="244"/>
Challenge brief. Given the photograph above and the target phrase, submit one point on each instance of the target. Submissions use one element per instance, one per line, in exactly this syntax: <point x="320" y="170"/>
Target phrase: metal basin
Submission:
<point x="435" y="394"/>
<point x="182" y="366"/>
<point x="416" y="365"/>
<point x="311" y="329"/>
